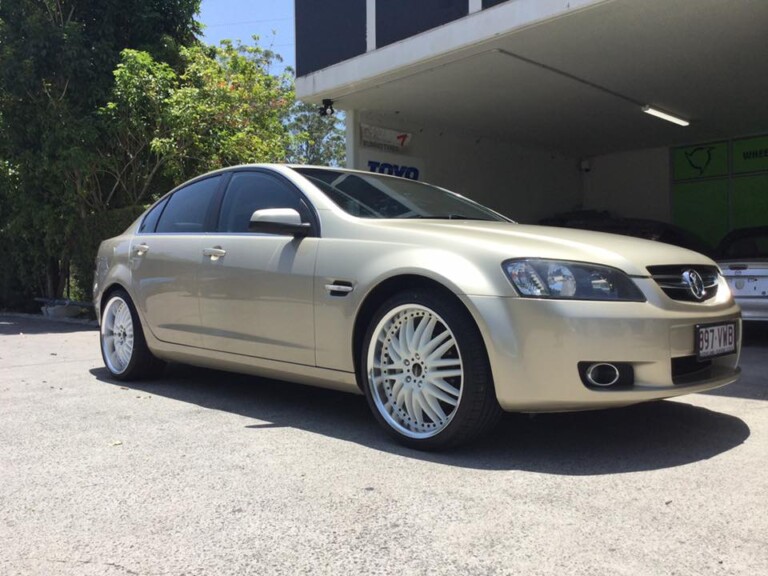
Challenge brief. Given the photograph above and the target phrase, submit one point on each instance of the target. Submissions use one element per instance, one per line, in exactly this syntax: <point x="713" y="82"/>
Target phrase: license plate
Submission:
<point x="715" y="340"/>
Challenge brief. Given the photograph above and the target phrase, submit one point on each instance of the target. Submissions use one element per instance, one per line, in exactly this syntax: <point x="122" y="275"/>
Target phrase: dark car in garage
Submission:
<point x="604" y="221"/>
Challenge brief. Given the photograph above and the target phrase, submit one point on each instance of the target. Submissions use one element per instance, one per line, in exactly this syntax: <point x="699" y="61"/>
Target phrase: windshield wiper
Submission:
<point x="442" y="217"/>
<point x="459" y="217"/>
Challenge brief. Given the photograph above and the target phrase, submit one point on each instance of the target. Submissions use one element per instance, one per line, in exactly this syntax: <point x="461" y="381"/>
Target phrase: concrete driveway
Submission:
<point x="208" y="473"/>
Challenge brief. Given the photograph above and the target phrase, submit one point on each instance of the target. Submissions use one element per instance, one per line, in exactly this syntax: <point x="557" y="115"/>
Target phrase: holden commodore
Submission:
<point x="442" y="312"/>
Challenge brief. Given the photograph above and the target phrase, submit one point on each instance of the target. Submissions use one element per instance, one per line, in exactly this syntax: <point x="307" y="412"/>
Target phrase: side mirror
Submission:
<point x="280" y="221"/>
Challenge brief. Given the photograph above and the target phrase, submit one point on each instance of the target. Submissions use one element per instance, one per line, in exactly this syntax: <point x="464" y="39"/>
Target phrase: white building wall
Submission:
<point x="524" y="183"/>
<point x="633" y="184"/>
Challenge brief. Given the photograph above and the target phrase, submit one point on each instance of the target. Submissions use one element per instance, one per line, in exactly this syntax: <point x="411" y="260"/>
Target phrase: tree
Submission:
<point x="223" y="108"/>
<point x="56" y="63"/>
<point x="134" y="118"/>
<point x="162" y="126"/>
<point x="228" y="109"/>
<point x="104" y="104"/>
<point x="13" y="292"/>
<point x="315" y="139"/>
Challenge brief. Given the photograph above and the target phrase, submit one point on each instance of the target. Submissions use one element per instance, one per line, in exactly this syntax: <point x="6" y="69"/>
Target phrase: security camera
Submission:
<point x="327" y="108"/>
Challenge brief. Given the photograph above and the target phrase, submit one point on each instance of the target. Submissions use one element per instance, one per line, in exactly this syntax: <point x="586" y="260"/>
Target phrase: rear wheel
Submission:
<point x="426" y="373"/>
<point x="123" y="346"/>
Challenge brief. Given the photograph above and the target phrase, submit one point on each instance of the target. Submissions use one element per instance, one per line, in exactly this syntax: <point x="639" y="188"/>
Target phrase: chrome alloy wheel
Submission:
<point x="415" y="371"/>
<point x="117" y="337"/>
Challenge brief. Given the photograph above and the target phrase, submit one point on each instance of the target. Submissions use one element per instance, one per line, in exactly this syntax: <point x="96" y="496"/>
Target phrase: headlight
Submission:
<point x="538" y="278"/>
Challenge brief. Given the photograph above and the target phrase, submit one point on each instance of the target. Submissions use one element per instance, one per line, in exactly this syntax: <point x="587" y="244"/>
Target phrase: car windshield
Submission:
<point x="746" y="245"/>
<point x="374" y="196"/>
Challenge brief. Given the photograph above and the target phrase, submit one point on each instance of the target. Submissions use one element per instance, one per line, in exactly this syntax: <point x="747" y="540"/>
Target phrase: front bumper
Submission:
<point x="535" y="346"/>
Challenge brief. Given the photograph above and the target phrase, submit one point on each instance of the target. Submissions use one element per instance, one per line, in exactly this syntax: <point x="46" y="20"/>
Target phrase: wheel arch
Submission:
<point x="107" y="293"/>
<point x="383" y="291"/>
<point x="110" y="289"/>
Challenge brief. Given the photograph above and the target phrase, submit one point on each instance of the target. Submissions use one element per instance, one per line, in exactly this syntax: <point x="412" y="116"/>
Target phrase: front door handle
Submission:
<point x="215" y="253"/>
<point x="141" y="249"/>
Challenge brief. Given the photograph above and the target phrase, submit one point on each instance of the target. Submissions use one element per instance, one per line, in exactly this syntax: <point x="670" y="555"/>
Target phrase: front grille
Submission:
<point x="670" y="280"/>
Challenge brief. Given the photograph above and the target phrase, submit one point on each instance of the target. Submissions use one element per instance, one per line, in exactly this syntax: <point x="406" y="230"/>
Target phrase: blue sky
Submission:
<point x="240" y="19"/>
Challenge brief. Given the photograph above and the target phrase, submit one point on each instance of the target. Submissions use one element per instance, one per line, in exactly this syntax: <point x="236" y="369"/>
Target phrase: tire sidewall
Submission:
<point x="475" y="380"/>
<point x="138" y="337"/>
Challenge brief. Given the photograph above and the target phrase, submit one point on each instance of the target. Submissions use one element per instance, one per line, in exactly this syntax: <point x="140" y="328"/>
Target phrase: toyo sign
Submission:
<point x="380" y="162"/>
<point x="402" y="170"/>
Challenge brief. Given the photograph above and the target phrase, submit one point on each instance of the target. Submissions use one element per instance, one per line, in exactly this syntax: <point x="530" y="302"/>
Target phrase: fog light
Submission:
<point x="602" y="374"/>
<point x="607" y="374"/>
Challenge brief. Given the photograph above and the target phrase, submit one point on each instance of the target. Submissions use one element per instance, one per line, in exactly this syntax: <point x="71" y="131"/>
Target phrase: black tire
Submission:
<point x="138" y="362"/>
<point x="389" y="381"/>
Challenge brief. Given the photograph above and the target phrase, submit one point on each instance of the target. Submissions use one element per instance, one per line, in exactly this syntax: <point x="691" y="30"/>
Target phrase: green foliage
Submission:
<point x="107" y="104"/>
<point x="56" y="63"/>
<point x="14" y="292"/>
<point x="228" y="109"/>
<point x="162" y="127"/>
<point x="224" y="108"/>
<point x="315" y="139"/>
<point x="95" y="228"/>
<point x="133" y="119"/>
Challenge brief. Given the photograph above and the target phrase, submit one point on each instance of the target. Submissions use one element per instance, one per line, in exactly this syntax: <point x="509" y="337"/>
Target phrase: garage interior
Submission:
<point x="536" y="108"/>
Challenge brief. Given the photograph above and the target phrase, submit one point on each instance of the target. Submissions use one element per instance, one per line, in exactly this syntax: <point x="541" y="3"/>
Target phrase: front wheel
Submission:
<point x="123" y="346"/>
<point x="426" y="373"/>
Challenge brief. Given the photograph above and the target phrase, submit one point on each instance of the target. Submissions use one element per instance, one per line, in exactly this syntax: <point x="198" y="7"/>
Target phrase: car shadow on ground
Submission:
<point x="643" y="437"/>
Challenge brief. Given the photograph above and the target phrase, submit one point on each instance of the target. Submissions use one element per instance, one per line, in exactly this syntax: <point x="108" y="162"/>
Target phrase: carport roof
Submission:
<point x="571" y="76"/>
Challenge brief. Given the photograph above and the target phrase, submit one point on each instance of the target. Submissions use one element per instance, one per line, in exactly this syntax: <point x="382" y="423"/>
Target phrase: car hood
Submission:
<point x="508" y="240"/>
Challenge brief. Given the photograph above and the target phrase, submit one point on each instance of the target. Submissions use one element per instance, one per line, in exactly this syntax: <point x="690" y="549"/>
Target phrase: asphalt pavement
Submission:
<point x="210" y="473"/>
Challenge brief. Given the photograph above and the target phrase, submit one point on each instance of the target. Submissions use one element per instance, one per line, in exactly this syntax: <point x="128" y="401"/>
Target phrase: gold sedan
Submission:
<point x="442" y="312"/>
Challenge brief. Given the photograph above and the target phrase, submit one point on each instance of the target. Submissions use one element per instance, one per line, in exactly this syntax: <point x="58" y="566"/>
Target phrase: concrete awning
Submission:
<point x="571" y="76"/>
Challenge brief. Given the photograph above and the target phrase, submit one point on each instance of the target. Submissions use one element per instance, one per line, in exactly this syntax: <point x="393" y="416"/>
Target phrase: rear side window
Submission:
<point x="187" y="209"/>
<point x="150" y="220"/>
<point x="251" y="191"/>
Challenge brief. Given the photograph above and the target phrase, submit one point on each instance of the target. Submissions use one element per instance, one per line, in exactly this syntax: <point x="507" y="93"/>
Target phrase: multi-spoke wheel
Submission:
<point x="123" y="346"/>
<point x="426" y="371"/>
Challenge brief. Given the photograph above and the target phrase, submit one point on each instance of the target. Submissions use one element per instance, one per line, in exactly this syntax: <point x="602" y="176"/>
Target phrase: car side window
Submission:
<point x="187" y="209"/>
<point x="150" y="220"/>
<point x="251" y="191"/>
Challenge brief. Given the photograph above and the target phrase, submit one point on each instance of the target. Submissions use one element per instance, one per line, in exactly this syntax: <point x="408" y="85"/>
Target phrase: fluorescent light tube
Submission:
<point x="665" y="116"/>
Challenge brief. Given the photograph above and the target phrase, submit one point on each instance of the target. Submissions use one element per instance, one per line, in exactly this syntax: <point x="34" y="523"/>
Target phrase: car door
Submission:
<point x="165" y="259"/>
<point x="256" y="290"/>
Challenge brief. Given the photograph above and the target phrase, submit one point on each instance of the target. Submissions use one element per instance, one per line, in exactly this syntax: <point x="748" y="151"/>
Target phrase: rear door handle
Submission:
<point x="141" y="249"/>
<point x="215" y="253"/>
